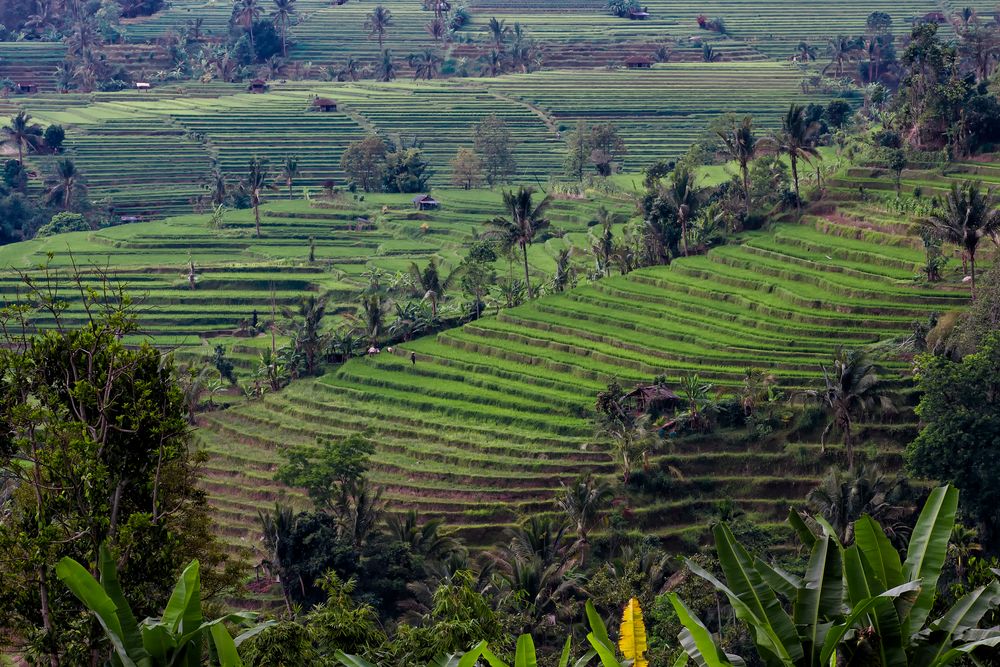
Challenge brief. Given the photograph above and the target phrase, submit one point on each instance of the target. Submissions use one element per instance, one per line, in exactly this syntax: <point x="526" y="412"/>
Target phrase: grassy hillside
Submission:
<point x="150" y="153"/>
<point x="494" y="415"/>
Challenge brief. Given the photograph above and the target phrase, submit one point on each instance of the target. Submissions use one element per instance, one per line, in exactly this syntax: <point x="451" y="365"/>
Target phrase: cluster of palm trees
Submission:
<point x="246" y="13"/>
<point x="66" y="186"/>
<point x="511" y="49"/>
<point x="969" y="215"/>
<point x="797" y="140"/>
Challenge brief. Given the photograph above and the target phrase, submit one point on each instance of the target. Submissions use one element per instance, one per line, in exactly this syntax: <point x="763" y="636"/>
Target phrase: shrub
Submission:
<point x="62" y="223"/>
<point x="54" y="137"/>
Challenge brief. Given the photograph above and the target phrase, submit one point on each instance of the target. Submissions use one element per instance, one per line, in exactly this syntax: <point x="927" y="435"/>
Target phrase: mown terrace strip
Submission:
<point x="498" y="409"/>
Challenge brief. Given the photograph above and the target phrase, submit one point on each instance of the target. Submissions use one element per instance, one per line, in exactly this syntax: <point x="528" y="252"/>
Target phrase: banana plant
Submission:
<point x="851" y="600"/>
<point x="524" y="656"/>
<point x="177" y="639"/>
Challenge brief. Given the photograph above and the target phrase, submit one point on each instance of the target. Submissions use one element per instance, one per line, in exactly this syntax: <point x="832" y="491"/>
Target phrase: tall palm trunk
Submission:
<point x="972" y="266"/>
<point x="256" y="215"/>
<point x="527" y="277"/>
<point x="289" y="182"/>
<point x="284" y="36"/>
<point x="793" y="158"/>
<point x="684" y="233"/>
<point x="746" y="186"/>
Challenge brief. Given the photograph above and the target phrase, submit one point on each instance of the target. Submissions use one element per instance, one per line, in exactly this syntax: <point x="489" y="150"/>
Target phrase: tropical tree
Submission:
<point x="429" y="285"/>
<point x="22" y="134"/>
<point x="276" y="534"/>
<point x="853" y="389"/>
<point x="66" y="184"/>
<point x="254" y="184"/>
<point x="245" y="14"/>
<point x="498" y="32"/>
<point x="426" y="65"/>
<point x="852" y="604"/>
<point x="842" y="50"/>
<point x="176" y="638"/>
<point x="968" y="216"/>
<point x="797" y="140"/>
<point x="742" y="145"/>
<point x="806" y="52"/>
<point x="583" y="502"/>
<point x="682" y="195"/>
<point x="377" y="23"/>
<point x="385" y="69"/>
<point x="289" y="171"/>
<point x="284" y="12"/>
<point x="525" y="220"/>
<point x="843" y="497"/>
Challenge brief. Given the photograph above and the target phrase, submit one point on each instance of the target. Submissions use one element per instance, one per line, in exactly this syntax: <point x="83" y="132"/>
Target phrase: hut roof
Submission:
<point x="424" y="199"/>
<point x="638" y="60"/>
<point x="324" y="102"/>
<point x="653" y="392"/>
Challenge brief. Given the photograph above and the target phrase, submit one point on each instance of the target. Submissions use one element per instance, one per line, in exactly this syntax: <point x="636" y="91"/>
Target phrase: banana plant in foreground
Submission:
<point x="176" y="639"/>
<point x="852" y="602"/>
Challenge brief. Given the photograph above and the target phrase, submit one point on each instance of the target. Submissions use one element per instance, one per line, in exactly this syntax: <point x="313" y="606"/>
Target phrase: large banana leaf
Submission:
<point x="881" y="614"/>
<point x="963" y="616"/>
<point x="597" y="627"/>
<point x="760" y="604"/>
<point x="604" y="652"/>
<point x="90" y="593"/>
<point x="131" y="636"/>
<point x="801" y="528"/>
<point x="524" y="656"/>
<point x="695" y="639"/>
<point x="632" y="635"/>
<point x="821" y="599"/>
<point x="926" y="553"/>
<point x="859" y="612"/>
<point x="225" y="648"/>
<point x="768" y="643"/>
<point x="965" y="649"/>
<point x="879" y="552"/>
<point x="351" y="660"/>
<point x="783" y="582"/>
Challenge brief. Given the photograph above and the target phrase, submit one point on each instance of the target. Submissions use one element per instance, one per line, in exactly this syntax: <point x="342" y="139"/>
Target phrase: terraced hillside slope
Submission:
<point x="151" y="153"/>
<point x="238" y="275"/>
<point x="494" y="415"/>
<point x="571" y="33"/>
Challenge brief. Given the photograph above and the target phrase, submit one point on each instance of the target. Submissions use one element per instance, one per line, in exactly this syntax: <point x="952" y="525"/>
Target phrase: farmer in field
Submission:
<point x="413" y="358"/>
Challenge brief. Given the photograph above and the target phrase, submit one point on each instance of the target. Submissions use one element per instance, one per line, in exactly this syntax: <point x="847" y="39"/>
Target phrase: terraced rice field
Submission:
<point x="236" y="272"/>
<point x="150" y="153"/>
<point x="493" y="415"/>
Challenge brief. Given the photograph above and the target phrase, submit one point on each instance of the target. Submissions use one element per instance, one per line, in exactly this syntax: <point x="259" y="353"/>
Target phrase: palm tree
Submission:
<point x="968" y="216"/>
<point x="246" y="13"/>
<point x="425" y="65"/>
<point x="429" y="285"/>
<point x="603" y="246"/>
<point x="424" y="539"/>
<point x="437" y="29"/>
<point x="806" y="52"/>
<point x="386" y="68"/>
<point x="842" y="50"/>
<point x="277" y="532"/>
<point x="964" y="543"/>
<point x="351" y="70"/>
<point x="582" y="502"/>
<point x="254" y="184"/>
<point x="741" y="144"/>
<point x="289" y="171"/>
<point x="67" y="182"/>
<point x="682" y="195"/>
<point x="492" y="63"/>
<point x="525" y="221"/>
<point x="377" y="24"/>
<point x="22" y="133"/>
<point x="844" y="497"/>
<point x="498" y="32"/>
<point x="853" y="390"/>
<point x="284" y="10"/>
<point x="797" y="140"/>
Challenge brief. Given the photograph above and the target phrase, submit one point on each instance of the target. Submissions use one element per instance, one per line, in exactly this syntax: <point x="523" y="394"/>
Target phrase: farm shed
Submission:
<point x="142" y="85"/>
<point x="25" y="87"/>
<point x="653" y="397"/>
<point x="257" y="86"/>
<point x="324" y="104"/>
<point x="425" y="203"/>
<point x="638" y="14"/>
<point x="638" y="62"/>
